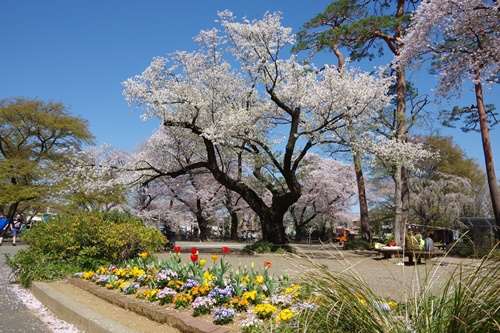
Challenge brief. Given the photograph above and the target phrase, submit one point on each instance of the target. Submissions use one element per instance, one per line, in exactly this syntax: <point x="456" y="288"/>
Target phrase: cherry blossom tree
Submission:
<point x="272" y="111"/>
<point x="91" y="184"/>
<point x="329" y="187"/>
<point x="196" y="193"/>
<point x="463" y="39"/>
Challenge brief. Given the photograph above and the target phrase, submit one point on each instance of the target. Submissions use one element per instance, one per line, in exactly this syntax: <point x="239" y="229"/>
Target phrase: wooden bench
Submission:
<point x="411" y="254"/>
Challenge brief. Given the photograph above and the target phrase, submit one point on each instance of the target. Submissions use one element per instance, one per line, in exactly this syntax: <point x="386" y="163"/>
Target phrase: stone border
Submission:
<point x="74" y="312"/>
<point x="181" y="321"/>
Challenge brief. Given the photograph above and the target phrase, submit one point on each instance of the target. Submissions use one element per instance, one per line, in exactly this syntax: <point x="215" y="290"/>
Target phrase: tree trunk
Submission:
<point x="401" y="177"/>
<point x="398" y="229"/>
<point x="488" y="156"/>
<point x="202" y="222"/>
<point x="273" y="229"/>
<point x="363" y="205"/>
<point x="234" y="225"/>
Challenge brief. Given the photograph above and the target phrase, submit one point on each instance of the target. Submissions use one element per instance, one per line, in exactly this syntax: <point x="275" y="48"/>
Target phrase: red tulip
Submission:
<point x="225" y="249"/>
<point x="194" y="257"/>
<point x="177" y="249"/>
<point x="267" y="264"/>
<point x="194" y="250"/>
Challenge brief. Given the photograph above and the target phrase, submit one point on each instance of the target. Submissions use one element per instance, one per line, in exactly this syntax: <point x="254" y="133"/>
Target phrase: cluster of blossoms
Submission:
<point x="260" y="298"/>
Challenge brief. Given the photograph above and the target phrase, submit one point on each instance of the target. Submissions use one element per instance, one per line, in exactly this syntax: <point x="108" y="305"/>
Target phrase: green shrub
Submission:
<point x="461" y="250"/>
<point x="262" y="246"/>
<point x="83" y="241"/>
<point x="33" y="265"/>
<point x="356" y="244"/>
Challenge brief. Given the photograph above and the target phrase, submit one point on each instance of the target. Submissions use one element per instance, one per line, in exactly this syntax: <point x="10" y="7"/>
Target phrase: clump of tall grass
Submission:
<point x="469" y="301"/>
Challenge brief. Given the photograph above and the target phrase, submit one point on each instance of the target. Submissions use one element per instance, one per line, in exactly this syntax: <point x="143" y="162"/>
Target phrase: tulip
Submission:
<point x="194" y="250"/>
<point x="267" y="264"/>
<point x="194" y="257"/>
<point x="177" y="249"/>
<point x="215" y="257"/>
<point x="203" y="262"/>
<point x="225" y="249"/>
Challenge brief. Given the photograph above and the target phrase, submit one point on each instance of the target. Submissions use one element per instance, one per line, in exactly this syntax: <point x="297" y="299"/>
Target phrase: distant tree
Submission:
<point x="438" y="201"/>
<point x="454" y="161"/>
<point x="462" y="39"/>
<point x="98" y="188"/>
<point x="271" y="110"/>
<point x="328" y="190"/>
<point x="36" y="140"/>
<point x="198" y="194"/>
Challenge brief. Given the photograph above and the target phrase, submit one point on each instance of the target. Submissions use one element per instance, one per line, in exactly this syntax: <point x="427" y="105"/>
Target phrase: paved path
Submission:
<point x="16" y="317"/>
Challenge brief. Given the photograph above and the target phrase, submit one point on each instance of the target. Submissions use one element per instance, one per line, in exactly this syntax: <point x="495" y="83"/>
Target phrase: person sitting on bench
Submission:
<point x="429" y="243"/>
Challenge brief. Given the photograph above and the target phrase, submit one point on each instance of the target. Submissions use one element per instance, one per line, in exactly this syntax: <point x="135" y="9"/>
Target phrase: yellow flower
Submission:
<point x="144" y="255"/>
<point x="203" y="262"/>
<point x="124" y="284"/>
<point x="259" y="279"/>
<point x="284" y="315"/>
<point x="392" y="304"/>
<point x="264" y="310"/>
<point x="207" y="276"/>
<point x="215" y="257"/>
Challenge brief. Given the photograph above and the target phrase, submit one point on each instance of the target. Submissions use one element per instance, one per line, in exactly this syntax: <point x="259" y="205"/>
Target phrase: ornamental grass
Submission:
<point x="468" y="302"/>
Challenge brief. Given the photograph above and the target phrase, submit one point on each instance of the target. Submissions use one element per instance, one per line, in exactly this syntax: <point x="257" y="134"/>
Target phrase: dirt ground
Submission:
<point x="386" y="277"/>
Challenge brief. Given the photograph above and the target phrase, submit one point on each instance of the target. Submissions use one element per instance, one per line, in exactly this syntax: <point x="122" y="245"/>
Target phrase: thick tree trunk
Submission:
<point x="234" y="225"/>
<point x="488" y="156"/>
<point x="272" y="226"/>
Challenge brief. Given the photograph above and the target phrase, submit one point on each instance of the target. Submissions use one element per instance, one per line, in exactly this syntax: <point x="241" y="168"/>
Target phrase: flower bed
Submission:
<point x="247" y="297"/>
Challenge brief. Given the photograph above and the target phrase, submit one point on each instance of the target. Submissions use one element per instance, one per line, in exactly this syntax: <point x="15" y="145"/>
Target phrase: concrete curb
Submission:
<point x="71" y="311"/>
<point x="181" y="321"/>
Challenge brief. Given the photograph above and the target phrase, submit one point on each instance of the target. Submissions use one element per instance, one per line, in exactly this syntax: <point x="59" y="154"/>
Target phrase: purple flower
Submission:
<point x="190" y="283"/>
<point x="223" y="315"/>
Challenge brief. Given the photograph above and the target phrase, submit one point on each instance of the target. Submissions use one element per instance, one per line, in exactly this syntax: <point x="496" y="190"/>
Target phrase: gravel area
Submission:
<point x="389" y="278"/>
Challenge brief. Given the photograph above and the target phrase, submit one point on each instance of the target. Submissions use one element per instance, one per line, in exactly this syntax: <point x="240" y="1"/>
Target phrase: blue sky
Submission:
<point x="79" y="52"/>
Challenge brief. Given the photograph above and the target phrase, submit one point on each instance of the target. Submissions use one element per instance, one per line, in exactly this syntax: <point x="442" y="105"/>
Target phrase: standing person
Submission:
<point x="4" y="226"/>
<point x="16" y="226"/>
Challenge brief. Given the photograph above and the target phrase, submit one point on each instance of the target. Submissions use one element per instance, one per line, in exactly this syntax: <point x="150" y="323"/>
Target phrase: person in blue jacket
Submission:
<point x="4" y="226"/>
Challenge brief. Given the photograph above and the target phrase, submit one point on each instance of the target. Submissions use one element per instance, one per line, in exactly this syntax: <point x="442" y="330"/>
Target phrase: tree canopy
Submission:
<point x="36" y="139"/>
